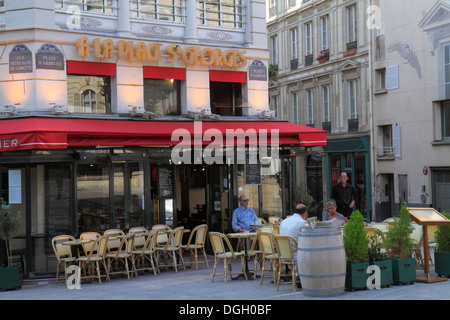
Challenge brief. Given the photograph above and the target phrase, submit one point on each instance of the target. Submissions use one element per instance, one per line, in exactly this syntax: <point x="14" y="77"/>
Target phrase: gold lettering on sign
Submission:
<point x="83" y="47"/>
<point x="154" y="52"/>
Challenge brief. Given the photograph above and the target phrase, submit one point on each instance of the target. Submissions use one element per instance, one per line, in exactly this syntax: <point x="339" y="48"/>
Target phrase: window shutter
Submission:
<point x="392" y="77"/>
<point x="396" y="140"/>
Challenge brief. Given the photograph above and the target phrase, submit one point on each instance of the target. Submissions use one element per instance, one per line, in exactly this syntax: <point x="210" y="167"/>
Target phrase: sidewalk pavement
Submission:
<point x="193" y="285"/>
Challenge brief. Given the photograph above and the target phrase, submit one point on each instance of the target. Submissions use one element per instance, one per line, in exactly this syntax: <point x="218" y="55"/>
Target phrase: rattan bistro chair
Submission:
<point x="96" y="256"/>
<point x="268" y="253"/>
<point x="284" y="247"/>
<point x="123" y="255"/>
<point x="199" y="232"/>
<point x="114" y="240"/>
<point x="147" y="253"/>
<point x="63" y="253"/>
<point x="172" y="248"/>
<point x="223" y="250"/>
<point x="87" y="247"/>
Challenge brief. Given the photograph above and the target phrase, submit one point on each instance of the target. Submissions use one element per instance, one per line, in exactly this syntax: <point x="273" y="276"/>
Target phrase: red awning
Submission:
<point x="60" y="133"/>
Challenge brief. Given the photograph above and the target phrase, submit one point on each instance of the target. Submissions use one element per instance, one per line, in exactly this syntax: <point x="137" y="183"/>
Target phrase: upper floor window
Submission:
<point x="108" y="7"/>
<point x="308" y="39"/>
<point x="89" y="94"/>
<point x="351" y="24"/>
<point x="274" y="50"/>
<point x="294" y="97"/>
<point x="445" y="119"/>
<point x="324" y="24"/>
<point x="326" y="103"/>
<point x="2" y="3"/>
<point x="447" y="71"/>
<point x="310" y="106"/>
<point x="169" y="10"/>
<point x="294" y="43"/>
<point x="352" y="100"/>
<point x="225" y="13"/>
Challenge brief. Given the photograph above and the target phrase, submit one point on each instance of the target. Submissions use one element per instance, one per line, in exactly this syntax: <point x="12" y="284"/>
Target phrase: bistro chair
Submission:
<point x="123" y="254"/>
<point x="140" y="236"/>
<point x="114" y="240"/>
<point x="147" y="252"/>
<point x="162" y="237"/>
<point x="261" y="220"/>
<point x="378" y="236"/>
<point x="268" y="253"/>
<point x="432" y="245"/>
<point x="417" y="238"/>
<point x="275" y="219"/>
<point x="63" y="253"/>
<point x="284" y="247"/>
<point x="173" y="247"/>
<point x="223" y="250"/>
<point x="96" y="254"/>
<point x="87" y="247"/>
<point x="199" y="232"/>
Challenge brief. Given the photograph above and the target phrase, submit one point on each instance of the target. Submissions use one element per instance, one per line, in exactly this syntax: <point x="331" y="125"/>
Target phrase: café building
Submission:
<point x="123" y="113"/>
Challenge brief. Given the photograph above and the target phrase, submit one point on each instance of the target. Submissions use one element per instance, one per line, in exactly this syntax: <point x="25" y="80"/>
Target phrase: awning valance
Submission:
<point x="60" y="133"/>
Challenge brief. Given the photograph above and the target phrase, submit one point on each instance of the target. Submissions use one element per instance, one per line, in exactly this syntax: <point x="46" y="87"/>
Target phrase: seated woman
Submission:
<point x="332" y="215"/>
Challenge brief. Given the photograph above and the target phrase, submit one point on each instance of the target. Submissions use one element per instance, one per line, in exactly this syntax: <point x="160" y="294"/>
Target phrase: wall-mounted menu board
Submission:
<point x="252" y="169"/>
<point x="165" y="182"/>
<point x="57" y="200"/>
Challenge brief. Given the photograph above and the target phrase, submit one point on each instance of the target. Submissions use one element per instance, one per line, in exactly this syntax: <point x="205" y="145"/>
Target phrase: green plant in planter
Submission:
<point x="378" y="258"/>
<point x="442" y="256"/>
<point x="356" y="248"/>
<point x="399" y="245"/>
<point x="10" y="223"/>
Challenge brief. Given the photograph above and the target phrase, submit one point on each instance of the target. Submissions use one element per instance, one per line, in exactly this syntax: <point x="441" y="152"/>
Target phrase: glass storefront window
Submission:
<point x="266" y="197"/>
<point x="89" y="94"/>
<point x="128" y="195"/>
<point x="162" y="96"/>
<point x="271" y="196"/>
<point x="93" y="197"/>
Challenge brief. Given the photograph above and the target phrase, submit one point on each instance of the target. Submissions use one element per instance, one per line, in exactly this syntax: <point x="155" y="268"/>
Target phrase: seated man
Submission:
<point x="244" y="217"/>
<point x="291" y="227"/>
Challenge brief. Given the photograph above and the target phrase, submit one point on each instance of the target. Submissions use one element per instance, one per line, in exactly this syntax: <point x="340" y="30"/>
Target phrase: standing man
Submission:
<point x="244" y="217"/>
<point x="345" y="195"/>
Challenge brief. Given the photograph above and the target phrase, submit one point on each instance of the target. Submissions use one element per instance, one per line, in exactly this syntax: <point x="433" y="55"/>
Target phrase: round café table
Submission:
<point x="245" y="236"/>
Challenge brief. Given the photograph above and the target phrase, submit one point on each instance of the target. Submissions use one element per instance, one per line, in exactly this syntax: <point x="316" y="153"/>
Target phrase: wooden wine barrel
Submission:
<point x="321" y="261"/>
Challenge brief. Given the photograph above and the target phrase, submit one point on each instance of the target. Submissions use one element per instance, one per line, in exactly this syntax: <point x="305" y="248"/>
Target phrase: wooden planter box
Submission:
<point x="442" y="264"/>
<point x="357" y="276"/>
<point x="385" y="266"/>
<point x="403" y="270"/>
<point x="10" y="278"/>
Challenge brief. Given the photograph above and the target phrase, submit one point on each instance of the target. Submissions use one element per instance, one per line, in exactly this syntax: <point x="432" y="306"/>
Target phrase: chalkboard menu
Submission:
<point x="252" y="170"/>
<point x="57" y="200"/>
<point x="165" y="182"/>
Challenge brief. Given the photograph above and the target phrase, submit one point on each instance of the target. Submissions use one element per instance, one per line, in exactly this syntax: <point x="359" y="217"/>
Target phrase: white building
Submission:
<point x="411" y="51"/>
<point x="320" y="62"/>
<point x="95" y="95"/>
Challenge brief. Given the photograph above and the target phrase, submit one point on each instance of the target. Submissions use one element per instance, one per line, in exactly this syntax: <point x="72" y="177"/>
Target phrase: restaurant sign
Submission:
<point x="49" y="57"/>
<point x="20" y="59"/>
<point x="155" y="52"/>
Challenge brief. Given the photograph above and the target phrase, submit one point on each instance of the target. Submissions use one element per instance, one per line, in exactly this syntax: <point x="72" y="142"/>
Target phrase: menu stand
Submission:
<point x="427" y="217"/>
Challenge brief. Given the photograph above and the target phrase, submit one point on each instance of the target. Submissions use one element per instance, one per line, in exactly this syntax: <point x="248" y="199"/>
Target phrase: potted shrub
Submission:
<point x="399" y="246"/>
<point x="376" y="257"/>
<point x="356" y="248"/>
<point x="10" y="276"/>
<point x="442" y="255"/>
